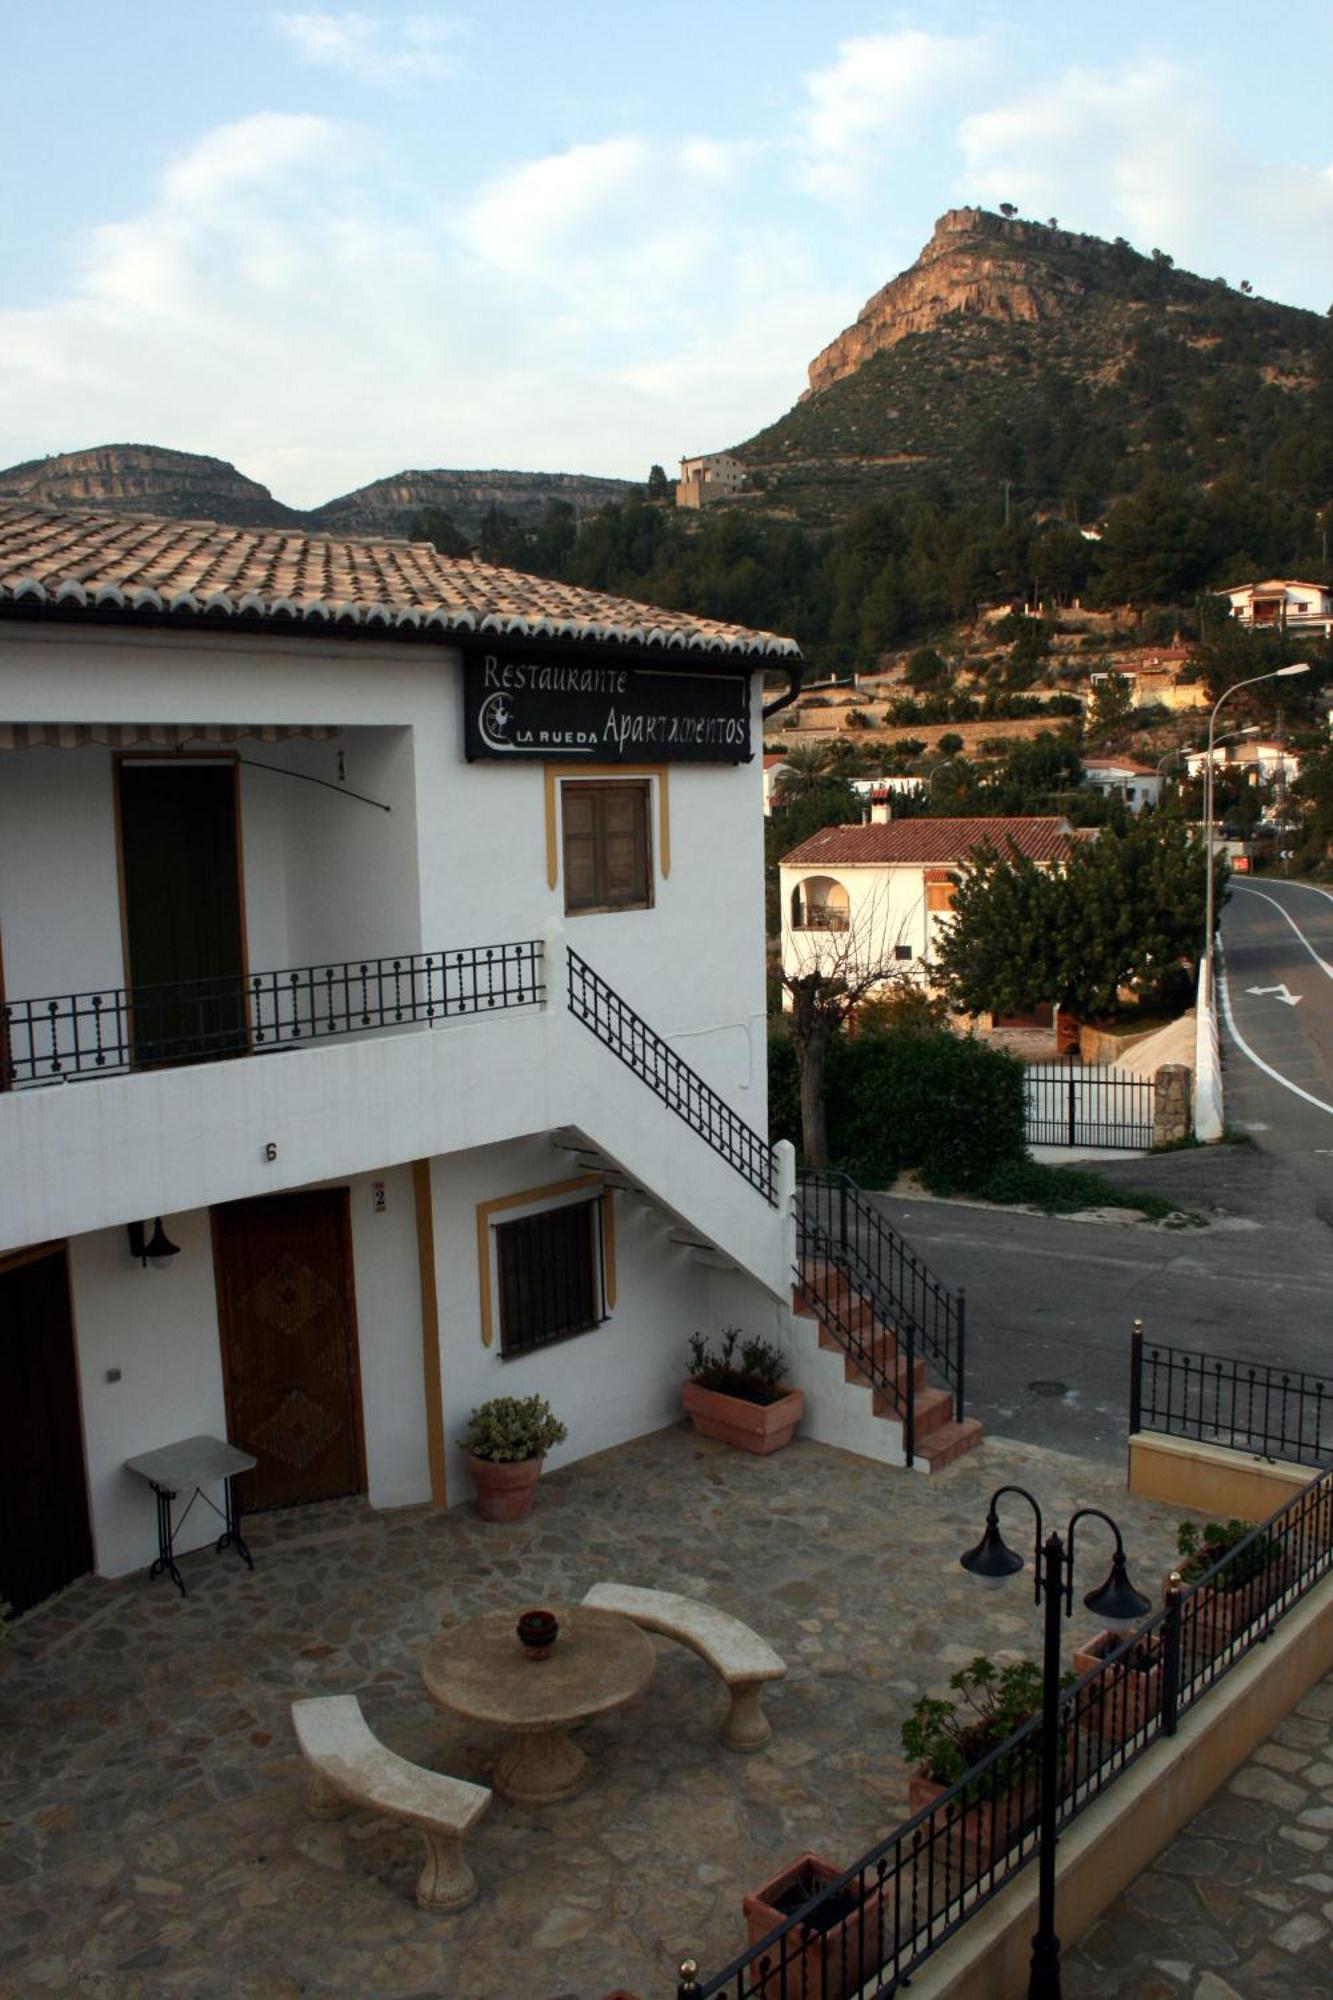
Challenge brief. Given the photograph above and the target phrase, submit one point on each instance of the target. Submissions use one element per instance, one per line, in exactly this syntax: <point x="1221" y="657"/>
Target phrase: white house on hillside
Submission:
<point x="359" y="914"/>
<point x="1292" y="606"/>
<point x="862" y="896"/>
<point x="1139" y="785"/>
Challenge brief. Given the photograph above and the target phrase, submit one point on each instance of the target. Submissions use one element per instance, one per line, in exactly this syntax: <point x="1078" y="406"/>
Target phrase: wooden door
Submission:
<point x="183" y="926"/>
<point x="45" y="1539"/>
<point x="289" y="1353"/>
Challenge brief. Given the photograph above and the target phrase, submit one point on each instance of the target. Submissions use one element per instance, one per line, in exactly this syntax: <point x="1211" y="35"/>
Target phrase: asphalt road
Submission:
<point x="1051" y="1301"/>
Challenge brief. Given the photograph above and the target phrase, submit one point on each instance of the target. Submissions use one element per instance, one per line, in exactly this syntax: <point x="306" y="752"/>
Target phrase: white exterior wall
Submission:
<point x="160" y="1329"/>
<point x="886" y="907"/>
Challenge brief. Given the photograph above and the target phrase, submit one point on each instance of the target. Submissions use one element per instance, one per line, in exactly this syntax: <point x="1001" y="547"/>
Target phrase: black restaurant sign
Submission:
<point x="575" y="708"/>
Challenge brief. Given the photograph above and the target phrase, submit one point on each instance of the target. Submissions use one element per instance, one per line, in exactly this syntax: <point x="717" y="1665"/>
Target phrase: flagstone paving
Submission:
<point x="1240" y="1905"/>
<point x="151" y="1795"/>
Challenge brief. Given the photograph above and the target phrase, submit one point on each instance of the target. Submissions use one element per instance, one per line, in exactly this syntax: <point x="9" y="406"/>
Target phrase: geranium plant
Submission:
<point x="1201" y="1548"/>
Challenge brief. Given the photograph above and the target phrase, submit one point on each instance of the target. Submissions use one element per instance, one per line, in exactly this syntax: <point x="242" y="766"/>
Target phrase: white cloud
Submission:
<point x="287" y="302"/>
<point x="875" y="96"/>
<point x="374" y="50"/>
<point x="1140" y="152"/>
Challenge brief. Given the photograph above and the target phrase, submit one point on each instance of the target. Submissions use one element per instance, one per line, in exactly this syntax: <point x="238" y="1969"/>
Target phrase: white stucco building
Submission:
<point x="1139" y="785"/>
<point x="879" y="894"/>
<point x="328" y="873"/>
<point x="1289" y="605"/>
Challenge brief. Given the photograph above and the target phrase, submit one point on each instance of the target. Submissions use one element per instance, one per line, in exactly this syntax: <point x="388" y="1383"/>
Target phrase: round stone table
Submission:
<point x="478" y="1670"/>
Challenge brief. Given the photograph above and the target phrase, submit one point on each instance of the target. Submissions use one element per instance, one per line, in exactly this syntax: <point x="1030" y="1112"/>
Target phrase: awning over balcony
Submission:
<point x="161" y="735"/>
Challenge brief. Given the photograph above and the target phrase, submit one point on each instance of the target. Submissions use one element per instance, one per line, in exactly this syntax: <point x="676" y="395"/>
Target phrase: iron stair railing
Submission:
<point x="653" y="1060"/>
<point x="838" y="1227"/>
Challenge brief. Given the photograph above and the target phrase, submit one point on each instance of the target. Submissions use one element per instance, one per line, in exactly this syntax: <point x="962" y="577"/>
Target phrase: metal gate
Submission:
<point x="1068" y="1104"/>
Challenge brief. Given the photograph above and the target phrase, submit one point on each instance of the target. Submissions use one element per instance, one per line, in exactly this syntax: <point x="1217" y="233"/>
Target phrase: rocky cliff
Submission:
<point x="975" y="263"/>
<point x="386" y="507"/>
<point x="147" y="479"/>
<point x="150" y="479"/>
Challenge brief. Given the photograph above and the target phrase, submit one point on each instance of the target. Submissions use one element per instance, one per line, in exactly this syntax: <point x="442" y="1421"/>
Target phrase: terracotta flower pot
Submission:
<point x="504" y="1488"/>
<point x="823" y="1960"/>
<point x="1122" y="1699"/>
<point x="1216" y="1615"/>
<point x="967" y="1839"/>
<point x="734" y="1420"/>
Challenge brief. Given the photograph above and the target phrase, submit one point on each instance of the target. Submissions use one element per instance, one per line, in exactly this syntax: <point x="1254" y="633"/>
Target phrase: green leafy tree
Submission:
<point x="437" y="525"/>
<point x="658" y="486"/>
<point x="1121" y="912"/>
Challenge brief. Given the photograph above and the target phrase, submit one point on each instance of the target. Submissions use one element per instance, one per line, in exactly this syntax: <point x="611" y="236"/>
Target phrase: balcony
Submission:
<point x="117" y="1030"/>
<point x="818" y="917"/>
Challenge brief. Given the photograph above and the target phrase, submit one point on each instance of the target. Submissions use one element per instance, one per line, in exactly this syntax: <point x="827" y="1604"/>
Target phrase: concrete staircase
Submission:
<point x="876" y="1365"/>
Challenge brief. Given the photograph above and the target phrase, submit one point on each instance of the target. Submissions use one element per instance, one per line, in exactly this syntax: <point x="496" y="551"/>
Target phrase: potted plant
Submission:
<point x="947" y="1739"/>
<point x="822" y="1958"/>
<point x="1126" y="1694"/>
<point x="506" y="1440"/>
<point x="1242" y="1588"/>
<point x="741" y="1399"/>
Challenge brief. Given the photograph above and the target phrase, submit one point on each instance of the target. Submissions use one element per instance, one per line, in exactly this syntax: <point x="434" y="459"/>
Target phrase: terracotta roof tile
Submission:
<point x="938" y="841"/>
<point x="78" y="558"/>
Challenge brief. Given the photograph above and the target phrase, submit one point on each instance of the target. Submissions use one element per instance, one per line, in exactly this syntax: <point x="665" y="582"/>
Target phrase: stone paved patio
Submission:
<point x="151" y="1794"/>
<point x="1240" y="1905"/>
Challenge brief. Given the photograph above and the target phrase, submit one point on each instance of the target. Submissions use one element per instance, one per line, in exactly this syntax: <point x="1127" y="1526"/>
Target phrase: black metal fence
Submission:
<point x="866" y="1931"/>
<point x="1070" y="1104"/>
<point x="1247" y="1405"/>
<point x="889" y="1310"/>
<point x="669" y="1076"/>
<point x="117" y="1029"/>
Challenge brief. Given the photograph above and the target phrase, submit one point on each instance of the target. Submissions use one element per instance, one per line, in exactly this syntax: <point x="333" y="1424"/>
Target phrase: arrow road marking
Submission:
<point x="1283" y="993"/>
<point x="1224" y="994"/>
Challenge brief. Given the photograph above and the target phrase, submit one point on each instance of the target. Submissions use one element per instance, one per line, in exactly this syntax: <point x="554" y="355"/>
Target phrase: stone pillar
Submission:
<point x="1171" y="1112"/>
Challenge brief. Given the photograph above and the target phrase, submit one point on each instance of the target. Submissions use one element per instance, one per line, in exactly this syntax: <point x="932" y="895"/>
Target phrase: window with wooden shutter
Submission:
<point x="607" y="846"/>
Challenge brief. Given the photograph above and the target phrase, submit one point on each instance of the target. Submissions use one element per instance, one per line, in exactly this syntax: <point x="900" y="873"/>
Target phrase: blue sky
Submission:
<point x="331" y="243"/>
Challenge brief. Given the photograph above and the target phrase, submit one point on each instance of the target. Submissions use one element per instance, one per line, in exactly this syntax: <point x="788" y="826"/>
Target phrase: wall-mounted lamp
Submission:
<point x="157" y="1249"/>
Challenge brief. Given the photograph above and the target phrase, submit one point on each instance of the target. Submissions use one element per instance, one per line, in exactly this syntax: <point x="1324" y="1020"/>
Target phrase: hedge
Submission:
<point x="945" y="1104"/>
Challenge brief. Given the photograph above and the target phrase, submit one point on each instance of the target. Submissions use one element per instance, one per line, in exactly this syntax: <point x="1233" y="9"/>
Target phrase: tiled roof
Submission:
<point x="923" y="841"/>
<point x="72" y="559"/>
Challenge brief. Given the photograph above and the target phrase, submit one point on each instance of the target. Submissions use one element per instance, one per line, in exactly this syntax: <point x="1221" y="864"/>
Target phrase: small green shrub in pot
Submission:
<point x="1200" y="1548"/>
<point x="945" y="1739"/>
<point x="510" y="1428"/>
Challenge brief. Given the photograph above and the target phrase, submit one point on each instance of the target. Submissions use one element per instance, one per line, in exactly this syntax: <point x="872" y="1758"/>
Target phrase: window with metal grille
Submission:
<point x="608" y="851"/>
<point x="549" y="1267"/>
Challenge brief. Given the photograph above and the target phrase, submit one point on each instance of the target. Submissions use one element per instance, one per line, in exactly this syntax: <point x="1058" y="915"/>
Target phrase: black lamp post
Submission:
<point x="1120" y="1607"/>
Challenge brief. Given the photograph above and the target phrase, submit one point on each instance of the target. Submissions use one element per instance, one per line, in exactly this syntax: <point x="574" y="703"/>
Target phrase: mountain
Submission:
<point x="387" y="506"/>
<point x="1021" y="353"/>
<point x="150" y="479"/>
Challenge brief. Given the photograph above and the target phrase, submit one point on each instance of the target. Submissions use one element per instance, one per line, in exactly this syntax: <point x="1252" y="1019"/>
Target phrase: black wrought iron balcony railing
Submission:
<point x="119" y="1029"/>
<point x="1252" y="1406"/>
<point x="669" y="1076"/>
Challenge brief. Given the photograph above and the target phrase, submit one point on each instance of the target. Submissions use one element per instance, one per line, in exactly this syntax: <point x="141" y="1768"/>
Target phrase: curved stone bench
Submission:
<point x="735" y="1653"/>
<point x="349" y="1766"/>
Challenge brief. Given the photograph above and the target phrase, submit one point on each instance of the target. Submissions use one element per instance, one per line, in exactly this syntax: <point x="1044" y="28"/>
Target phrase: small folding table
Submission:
<point x="192" y="1463"/>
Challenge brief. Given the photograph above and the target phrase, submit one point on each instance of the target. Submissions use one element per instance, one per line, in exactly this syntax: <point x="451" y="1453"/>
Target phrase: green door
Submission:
<point x="182" y="910"/>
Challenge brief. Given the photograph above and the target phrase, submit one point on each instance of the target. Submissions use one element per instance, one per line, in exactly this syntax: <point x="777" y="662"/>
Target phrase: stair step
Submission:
<point x="949" y="1442"/>
<point x="932" y="1409"/>
<point x="689" y="1240"/>
<point x="883" y="1405"/>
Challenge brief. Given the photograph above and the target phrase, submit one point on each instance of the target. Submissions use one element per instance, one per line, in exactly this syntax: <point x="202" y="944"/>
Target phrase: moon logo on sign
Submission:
<point x="494" y="720"/>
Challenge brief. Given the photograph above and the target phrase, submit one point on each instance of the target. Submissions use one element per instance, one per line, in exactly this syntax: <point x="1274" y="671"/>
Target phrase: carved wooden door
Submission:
<point x="289" y="1351"/>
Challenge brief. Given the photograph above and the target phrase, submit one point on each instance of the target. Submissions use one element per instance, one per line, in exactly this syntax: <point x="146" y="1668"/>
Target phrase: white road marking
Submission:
<point x="1283" y="992"/>
<point x="1244" y="1046"/>
<point x="1322" y="963"/>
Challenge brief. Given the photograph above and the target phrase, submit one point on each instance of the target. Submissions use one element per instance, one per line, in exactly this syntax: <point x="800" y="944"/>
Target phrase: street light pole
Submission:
<point x="1278" y="674"/>
<point x="1121" y="1608"/>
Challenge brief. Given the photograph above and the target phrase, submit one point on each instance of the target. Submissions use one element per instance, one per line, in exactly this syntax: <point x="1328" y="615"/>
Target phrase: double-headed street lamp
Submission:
<point x="1278" y="674"/>
<point x="1120" y="1608"/>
